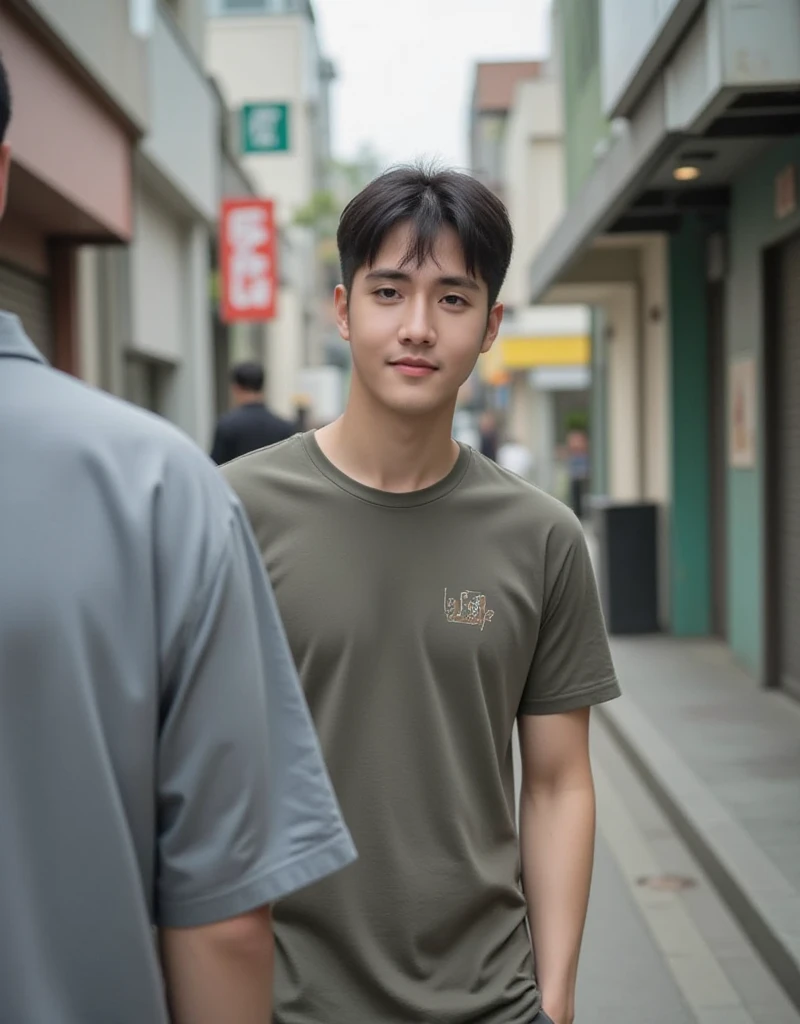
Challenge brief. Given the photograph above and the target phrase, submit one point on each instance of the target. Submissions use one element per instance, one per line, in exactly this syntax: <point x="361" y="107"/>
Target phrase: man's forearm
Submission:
<point x="557" y="828"/>
<point x="220" y="972"/>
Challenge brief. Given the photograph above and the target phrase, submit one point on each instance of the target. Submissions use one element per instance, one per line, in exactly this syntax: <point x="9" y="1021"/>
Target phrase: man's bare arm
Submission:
<point x="220" y="972"/>
<point x="557" y="830"/>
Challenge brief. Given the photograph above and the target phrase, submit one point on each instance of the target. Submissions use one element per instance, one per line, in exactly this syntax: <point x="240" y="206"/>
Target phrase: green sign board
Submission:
<point x="265" y="128"/>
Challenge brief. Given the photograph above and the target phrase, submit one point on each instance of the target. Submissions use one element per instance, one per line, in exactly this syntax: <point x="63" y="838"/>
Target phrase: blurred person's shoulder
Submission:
<point x="140" y="458"/>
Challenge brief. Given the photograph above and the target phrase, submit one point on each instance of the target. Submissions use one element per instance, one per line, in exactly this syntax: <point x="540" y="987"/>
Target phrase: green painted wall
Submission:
<point x="753" y="228"/>
<point x="690" y="583"/>
<point x="585" y="124"/>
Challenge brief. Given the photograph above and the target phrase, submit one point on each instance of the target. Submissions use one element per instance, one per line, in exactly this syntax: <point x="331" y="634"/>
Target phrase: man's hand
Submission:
<point x="557" y="828"/>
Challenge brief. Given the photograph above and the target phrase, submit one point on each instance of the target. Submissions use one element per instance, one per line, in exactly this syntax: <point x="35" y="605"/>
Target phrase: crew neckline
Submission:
<point x="389" y="499"/>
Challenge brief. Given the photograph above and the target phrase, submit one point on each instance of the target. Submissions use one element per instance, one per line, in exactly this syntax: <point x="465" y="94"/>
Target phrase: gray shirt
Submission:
<point x="158" y="765"/>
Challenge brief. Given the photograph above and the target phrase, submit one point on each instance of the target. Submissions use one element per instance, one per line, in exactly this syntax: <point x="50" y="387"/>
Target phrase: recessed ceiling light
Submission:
<point x="686" y="173"/>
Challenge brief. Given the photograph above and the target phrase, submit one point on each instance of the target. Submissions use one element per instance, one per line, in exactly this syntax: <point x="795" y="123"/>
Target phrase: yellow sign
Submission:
<point x="527" y="353"/>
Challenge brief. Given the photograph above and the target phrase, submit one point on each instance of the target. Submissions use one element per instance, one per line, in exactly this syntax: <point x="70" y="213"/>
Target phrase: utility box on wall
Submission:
<point x="627" y="559"/>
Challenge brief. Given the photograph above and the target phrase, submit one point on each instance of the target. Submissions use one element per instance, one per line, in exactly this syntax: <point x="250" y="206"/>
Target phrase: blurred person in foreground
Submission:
<point x="431" y="600"/>
<point x="249" y="425"/>
<point x="161" y="783"/>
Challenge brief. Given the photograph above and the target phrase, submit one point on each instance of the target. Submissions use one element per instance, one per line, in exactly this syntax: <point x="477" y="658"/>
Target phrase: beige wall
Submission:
<point x="522" y="411"/>
<point x="158" y="259"/>
<point x="89" y="330"/>
<point x="623" y="394"/>
<point x="265" y="59"/>
<point x="534" y="177"/>
<point x="284" y="349"/>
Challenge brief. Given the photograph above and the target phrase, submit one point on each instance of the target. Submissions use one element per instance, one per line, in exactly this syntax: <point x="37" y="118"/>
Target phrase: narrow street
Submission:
<point x="656" y="952"/>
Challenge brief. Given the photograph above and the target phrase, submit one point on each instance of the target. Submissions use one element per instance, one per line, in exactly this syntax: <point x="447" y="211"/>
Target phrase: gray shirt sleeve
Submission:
<point x="246" y="810"/>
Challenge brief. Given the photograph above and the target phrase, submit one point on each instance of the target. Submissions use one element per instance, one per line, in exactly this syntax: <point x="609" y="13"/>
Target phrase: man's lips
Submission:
<point x="411" y="367"/>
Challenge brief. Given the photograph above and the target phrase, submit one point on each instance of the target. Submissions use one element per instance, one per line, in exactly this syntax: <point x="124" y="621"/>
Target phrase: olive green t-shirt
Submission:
<point x="421" y="624"/>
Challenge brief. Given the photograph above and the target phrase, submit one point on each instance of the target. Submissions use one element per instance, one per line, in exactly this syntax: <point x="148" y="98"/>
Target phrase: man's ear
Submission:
<point x="492" y="326"/>
<point x="342" y="311"/>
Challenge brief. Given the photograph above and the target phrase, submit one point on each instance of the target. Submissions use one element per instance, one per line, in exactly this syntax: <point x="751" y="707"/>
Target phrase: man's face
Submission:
<point x="416" y="332"/>
<point x="5" y="164"/>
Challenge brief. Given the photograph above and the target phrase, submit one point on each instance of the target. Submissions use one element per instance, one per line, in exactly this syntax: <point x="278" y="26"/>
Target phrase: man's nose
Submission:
<point x="417" y="328"/>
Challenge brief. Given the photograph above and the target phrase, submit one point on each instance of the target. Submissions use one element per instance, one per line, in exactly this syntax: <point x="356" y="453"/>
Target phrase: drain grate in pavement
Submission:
<point x="666" y="883"/>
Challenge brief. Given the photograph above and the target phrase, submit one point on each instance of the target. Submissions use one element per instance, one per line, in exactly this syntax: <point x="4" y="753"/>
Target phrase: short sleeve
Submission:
<point x="247" y="813"/>
<point x="572" y="666"/>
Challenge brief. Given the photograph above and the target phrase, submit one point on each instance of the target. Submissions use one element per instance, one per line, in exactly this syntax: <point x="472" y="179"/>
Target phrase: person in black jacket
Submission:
<point x="249" y="425"/>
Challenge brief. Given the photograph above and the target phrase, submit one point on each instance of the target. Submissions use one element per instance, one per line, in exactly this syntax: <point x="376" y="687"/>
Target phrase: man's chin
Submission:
<point x="417" y="405"/>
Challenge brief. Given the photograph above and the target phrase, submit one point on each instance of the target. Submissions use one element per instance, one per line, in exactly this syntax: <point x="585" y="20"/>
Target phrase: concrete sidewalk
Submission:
<point x="723" y="758"/>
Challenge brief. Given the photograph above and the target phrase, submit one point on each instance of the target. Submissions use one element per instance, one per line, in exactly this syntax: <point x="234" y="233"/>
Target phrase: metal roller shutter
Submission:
<point x="788" y="461"/>
<point x="29" y="298"/>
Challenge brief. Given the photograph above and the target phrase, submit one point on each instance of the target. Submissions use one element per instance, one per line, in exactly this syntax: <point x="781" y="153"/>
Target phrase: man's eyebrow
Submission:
<point x="450" y="281"/>
<point x="387" y="275"/>
<point x="460" y="281"/>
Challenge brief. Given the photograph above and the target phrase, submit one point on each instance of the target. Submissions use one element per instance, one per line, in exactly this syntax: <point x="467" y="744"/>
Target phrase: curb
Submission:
<point x="761" y="899"/>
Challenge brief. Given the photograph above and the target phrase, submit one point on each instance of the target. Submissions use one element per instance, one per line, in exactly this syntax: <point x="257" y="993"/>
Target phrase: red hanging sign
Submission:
<point x="249" y="265"/>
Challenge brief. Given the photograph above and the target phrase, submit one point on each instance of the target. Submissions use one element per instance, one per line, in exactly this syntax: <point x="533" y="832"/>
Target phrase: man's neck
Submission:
<point x="389" y="451"/>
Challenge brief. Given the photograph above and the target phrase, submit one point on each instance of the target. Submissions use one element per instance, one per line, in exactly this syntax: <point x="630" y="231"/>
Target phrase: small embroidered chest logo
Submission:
<point x="470" y="609"/>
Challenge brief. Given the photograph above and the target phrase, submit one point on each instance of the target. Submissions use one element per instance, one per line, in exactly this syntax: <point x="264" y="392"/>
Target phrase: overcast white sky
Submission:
<point x="405" y="68"/>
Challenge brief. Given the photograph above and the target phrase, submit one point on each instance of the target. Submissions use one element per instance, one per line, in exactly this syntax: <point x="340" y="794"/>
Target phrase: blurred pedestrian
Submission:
<point x="489" y="435"/>
<point x="249" y="425"/>
<point x="430" y="599"/>
<point x="516" y="457"/>
<point x="158" y="766"/>
<point x="578" y="468"/>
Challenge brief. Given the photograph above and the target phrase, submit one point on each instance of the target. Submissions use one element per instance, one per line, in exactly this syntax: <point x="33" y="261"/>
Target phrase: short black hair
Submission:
<point x="248" y="376"/>
<point x="5" y="101"/>
<point x="429" y="200"/>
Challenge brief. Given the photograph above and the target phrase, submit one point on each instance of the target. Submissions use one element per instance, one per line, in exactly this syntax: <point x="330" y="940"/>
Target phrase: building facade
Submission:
<point x="692" y="184"/>
<point x="266" y="59"/>
<point x="78" y="80"/>
<point x="121" y="158"/>
<point x="537" y="371"/>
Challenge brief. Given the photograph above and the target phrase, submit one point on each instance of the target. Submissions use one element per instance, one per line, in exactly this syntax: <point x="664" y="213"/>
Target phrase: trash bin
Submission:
<point x="627" y="553"/>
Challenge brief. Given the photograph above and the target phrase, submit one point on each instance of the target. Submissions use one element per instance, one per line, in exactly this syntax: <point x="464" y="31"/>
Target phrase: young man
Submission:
<point x="431" y="600"/>
<point x="158" y="765"/>
<point x="249" y="425"/>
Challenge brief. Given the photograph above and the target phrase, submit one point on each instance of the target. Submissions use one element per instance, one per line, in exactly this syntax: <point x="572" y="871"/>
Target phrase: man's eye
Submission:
<point x="387" y="293"/>
<point x="454" y="300"/>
